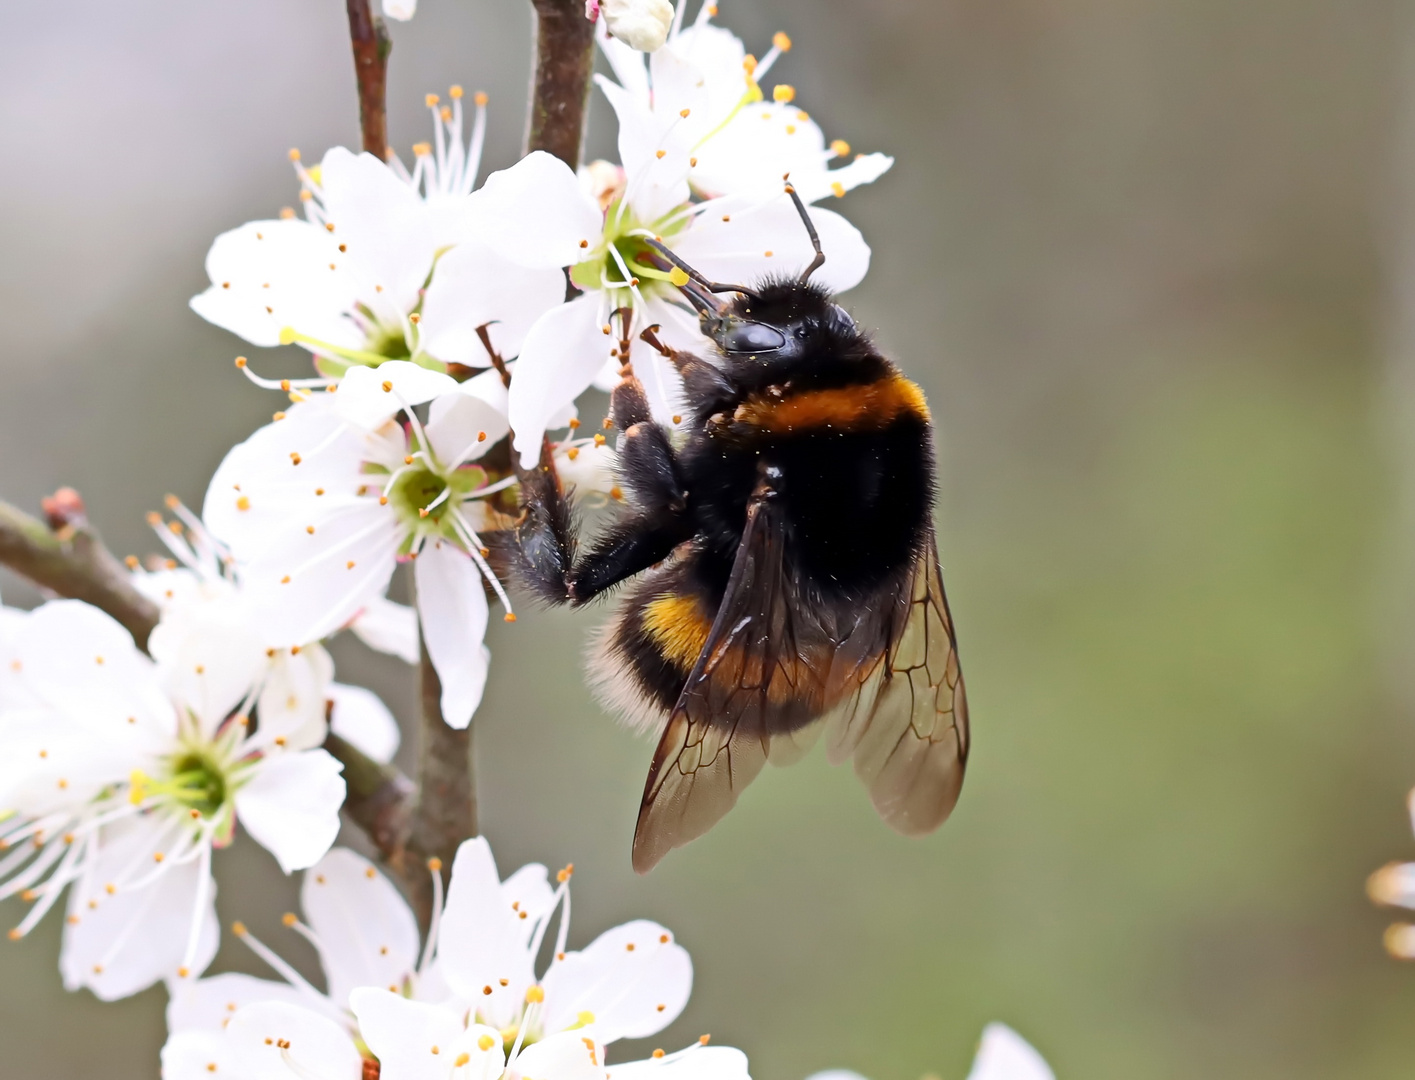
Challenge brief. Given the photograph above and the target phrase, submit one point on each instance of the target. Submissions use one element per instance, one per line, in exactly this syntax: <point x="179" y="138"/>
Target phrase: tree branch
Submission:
<point x="560" y="88"/>
<point x="67" y="557"/>
<point x="371" y="48"/>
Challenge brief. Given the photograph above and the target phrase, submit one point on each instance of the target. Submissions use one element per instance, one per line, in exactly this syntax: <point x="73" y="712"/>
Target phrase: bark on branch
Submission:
<point x="371" y="48"/>
<point x="560" y="86"/>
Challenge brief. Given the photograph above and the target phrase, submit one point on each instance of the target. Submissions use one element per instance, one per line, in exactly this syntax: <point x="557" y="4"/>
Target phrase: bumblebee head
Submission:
<point x="780" y="322"/>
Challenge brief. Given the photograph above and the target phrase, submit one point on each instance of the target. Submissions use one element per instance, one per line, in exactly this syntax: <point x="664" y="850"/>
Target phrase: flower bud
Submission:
<point x="640" y="24"/>
<point x="402" y="10"/>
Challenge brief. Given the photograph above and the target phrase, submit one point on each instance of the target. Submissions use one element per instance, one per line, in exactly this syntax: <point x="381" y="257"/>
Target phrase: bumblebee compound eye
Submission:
<point x="751" y="337"/>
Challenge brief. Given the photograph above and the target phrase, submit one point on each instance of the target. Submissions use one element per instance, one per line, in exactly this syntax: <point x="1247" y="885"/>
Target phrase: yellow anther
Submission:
<point x="289" y="919"/>
<point x="598" y="439"/>
<point x="658" y="1053"/>
<point x="481" y="436"/>
<point x="157" y="856"/>
<point x="278" y="414"/>
<point x="464" y="1057"/>
<point x="422" y="511"/>
<point x="783" y="93"/>
<point x="422" y="149"/>
<point x="287" y="213"/>
<point x="434" y="864"/>
<point x="387" y="387"/>
<point x="285" y="580"/>
<point x="295" y="458"/>
<point x="767" y="253"/>
<point x="131" y="562"/>
<point x="837" y="189"/>
<point x="486" y="1042"/>
<point x="573" y="453"/>
<point x="659" y="153"/>
<point x="183" y="972"/>
<point x="294" y="154"/>
<point x="454" y="92"/>
<point x="749" y="65"/>
<point x="684" y="113"/>
<point x="407" y="459"/>
<point x="703" y="1040"/>
<point x="480" y="97"/>
<point x="678" y="276"/>
<point x="616" y="493"/>
<point x="446" y="114"/>
<point x="431" y="100"/>
<point x="305" y="196"/>
<point x="840" y="148"/>
<point x="370" y="873"/>
<point x="287" y="335"/>
<point x="510" y="616"/>
<point x="14" y="934"/>
<point x="535" y="995"/>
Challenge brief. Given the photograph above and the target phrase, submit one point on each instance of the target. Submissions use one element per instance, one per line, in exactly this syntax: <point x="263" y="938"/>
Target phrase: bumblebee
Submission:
<point x="784" y="577"/>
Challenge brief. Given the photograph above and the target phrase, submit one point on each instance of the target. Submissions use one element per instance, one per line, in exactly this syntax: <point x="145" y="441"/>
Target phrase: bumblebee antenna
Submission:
<point x="810" y="231"/>
<point x="710" y="286"/>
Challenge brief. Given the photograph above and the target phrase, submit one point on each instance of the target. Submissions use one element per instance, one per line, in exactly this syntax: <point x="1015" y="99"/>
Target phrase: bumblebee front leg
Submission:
<point x="647" y="464"/>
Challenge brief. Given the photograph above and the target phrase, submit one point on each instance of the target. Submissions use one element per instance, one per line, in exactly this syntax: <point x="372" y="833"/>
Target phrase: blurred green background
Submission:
<point x="1154" y="263"/>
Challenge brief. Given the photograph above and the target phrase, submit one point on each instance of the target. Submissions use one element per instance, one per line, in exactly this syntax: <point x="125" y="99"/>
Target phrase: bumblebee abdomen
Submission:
<point x="647" y="650"/>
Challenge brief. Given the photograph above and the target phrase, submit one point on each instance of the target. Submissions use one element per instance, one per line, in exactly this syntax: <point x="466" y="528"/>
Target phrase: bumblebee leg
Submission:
<point x="540" y="548"/>
<point x="646" y="459"/>
<point x="627" y="548"/>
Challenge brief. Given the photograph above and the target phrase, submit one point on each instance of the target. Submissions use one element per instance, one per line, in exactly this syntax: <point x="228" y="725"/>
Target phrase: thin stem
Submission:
<point x="68" y="558"/>
<point x="371" y="48"/>
<point x="560" y="88"/>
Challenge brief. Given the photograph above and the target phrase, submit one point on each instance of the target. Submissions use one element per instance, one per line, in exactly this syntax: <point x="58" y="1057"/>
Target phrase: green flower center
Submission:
<point x="199" y="782"/>
<point x="628" y="237"/>
<point x="424" y="498"/>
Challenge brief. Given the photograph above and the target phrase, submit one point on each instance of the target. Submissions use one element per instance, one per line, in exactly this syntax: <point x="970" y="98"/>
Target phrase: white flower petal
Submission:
<point x="83" y="663"/>
<point x="404" y="1033"/>
<point x="657" y="182"/>
<point x="291" y="806"/>
<point x="463" y="424"/>
<point x="482" y="940"/>
<point x="275" y="473"/>
<point x="528" y="890"/>
<point x="570" y="1055"/>
<point x="536" y="214"/>
<point x="698" y="1063"/>
<point x="388" y="627"/>
<point x="196" y="1055"/>
<point x="370" y="395"/>
<point x="209" y="658"/>
<point x="562" y="354"/>
<point x="267" y="275"/>
<point x="453" y="610"/>
<point x="737" y="250"/>
<point x="402" y="10"/>
<point x="276" y="1041"/>
<point x="367" y="934"/>
<point x="1005" y="1055"/>
<point x="594" y="468"/>
<point x="628" y="64"/>
<point x="473" y="286"/>
<point x="292" y="701"/>
<point x="386" y="226"/>
<point x="360" y="718"/>
<point x="635" y="980"/>
<point x="207" y="1004"/>
<point x="318" y="581"/>
<point x="125" y="941"/>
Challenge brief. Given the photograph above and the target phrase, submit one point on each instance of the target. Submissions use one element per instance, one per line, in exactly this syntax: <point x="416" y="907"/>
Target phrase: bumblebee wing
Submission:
<point x="755" y="693"/>
<point x="905" y="721"/>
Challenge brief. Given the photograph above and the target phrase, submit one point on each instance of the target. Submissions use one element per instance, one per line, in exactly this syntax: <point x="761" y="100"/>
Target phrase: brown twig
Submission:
<point x="560" y="90"/>
<point x="371" y="48"/>
<point x="69" y="559"/>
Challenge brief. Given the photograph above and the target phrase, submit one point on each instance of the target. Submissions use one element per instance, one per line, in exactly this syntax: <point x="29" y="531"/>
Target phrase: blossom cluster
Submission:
<point x="452" y="328"/>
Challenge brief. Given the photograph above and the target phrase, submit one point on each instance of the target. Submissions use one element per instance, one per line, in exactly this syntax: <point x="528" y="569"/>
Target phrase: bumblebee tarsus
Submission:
<point x="541" y="545"/>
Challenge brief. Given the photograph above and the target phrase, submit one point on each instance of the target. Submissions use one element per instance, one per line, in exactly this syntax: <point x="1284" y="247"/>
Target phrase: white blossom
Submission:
<point x="702" y="92"/>
<point x="385" y="265"/>
<point x="318" y="509"/>
<point x="474" y="978"/>
<point x="121" y="776"/>
<point x="402" y="10"/>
